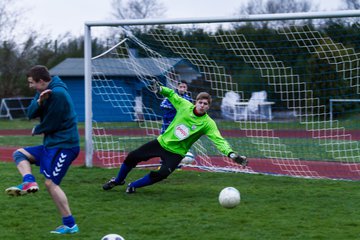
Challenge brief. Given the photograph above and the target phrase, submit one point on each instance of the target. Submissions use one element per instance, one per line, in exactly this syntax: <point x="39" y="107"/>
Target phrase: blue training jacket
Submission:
<point x="58" y="120"/>
<point x="169" y="111"/>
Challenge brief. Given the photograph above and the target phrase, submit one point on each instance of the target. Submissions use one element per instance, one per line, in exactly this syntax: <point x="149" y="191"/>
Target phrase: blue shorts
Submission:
<point x="53" y="162"/>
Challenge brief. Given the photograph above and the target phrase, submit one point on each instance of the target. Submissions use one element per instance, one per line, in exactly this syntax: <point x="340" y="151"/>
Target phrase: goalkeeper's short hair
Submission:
<point x="204" y="95"/>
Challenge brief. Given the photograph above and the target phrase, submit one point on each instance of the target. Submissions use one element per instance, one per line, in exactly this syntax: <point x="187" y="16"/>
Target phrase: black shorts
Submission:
<point x="150" y="150"/>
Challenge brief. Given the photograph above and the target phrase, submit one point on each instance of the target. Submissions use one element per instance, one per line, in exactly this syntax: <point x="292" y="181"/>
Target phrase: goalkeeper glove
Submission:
<point x="238" y="159"/>
<point x="154" y="86"/>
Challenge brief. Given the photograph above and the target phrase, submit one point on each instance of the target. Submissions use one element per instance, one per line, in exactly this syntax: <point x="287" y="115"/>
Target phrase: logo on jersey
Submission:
<point x="181" y="131"/>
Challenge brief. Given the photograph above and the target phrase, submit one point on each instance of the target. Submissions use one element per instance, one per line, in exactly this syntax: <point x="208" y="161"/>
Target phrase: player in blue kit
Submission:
<point x="58" y="124"/>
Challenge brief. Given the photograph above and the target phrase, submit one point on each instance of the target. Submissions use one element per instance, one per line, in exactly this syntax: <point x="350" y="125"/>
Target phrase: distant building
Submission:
<point x="123" y="74"/>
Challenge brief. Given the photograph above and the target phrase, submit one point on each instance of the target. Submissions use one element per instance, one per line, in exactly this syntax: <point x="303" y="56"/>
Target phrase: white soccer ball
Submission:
<point x="112" y="236"/>
<point x="229" y="197"/>
<point x="188" y="159"/>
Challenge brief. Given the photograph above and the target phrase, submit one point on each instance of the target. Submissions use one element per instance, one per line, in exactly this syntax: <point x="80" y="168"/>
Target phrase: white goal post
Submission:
<point x="295" y="60"/>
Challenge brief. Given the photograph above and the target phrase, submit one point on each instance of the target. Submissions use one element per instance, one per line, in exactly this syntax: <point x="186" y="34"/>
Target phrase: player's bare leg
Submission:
<point x="59" y="198"/>
<point x="61" y="202"/>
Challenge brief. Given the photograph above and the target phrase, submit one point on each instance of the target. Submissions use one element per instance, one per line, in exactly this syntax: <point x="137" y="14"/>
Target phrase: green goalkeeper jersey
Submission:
<point x="187" y="128"/>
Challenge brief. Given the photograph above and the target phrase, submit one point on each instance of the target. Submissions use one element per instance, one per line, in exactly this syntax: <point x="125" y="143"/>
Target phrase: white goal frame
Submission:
<point x="245" y="18"/>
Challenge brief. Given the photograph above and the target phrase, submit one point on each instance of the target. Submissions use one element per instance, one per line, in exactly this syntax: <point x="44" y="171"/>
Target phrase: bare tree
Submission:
<point x="289" y="6"/>
<point x="9" y="17"/>
<point x="275" y="6"/>
<point x="10" y="57"/>
<point x="138" y="9"/>
<point x="352" y="4"/>
<point x="253" y="7"/>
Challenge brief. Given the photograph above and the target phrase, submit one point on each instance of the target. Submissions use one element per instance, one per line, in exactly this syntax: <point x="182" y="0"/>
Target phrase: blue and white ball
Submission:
<point x="229" y="197"/>
<point x="113" y="236"/>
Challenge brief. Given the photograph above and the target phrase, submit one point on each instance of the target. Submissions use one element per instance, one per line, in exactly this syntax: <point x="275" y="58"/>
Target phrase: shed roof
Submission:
<point x="116" y="66"/>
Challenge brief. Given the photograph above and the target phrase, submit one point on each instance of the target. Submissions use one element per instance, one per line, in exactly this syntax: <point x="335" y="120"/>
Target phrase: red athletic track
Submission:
<point x="355" y="134"/>
<point x="323" y="169"/>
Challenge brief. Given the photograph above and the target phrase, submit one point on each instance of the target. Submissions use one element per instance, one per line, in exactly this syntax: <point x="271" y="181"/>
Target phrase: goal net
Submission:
<point x="272" y="78"/>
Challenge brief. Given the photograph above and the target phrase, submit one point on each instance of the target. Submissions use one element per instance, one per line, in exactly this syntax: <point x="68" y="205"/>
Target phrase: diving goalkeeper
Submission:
<point x="190" y="123"/>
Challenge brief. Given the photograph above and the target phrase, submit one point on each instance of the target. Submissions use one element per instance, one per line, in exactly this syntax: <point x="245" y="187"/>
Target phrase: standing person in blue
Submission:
<point x="58" y="124"/>
<point x="190" y="123"/>
<point x="169" y="111"/>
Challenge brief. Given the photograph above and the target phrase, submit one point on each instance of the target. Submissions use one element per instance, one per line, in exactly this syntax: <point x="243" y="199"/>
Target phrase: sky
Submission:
<point x="57" y="17"/>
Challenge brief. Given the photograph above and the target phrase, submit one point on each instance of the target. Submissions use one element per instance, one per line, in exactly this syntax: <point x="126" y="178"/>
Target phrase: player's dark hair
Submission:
<point x="39" y="72"/>
<point x="204" y="95"/>
<point x="182" y="82"/>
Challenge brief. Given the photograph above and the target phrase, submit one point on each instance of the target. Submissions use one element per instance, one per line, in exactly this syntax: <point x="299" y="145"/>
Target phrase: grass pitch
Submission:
<point x="185" y="206"/>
